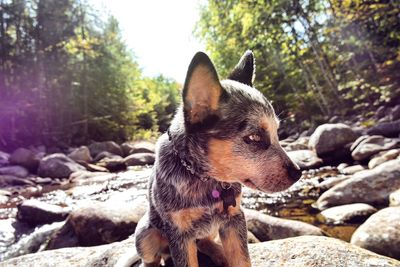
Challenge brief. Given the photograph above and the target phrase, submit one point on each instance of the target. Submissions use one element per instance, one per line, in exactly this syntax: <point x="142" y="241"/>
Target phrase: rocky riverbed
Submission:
<point x="52" y="202"/>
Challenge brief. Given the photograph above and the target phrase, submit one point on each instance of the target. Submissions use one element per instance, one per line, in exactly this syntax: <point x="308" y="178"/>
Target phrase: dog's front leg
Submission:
<point x="233" y="235"/>
<point x="183" y="251"/>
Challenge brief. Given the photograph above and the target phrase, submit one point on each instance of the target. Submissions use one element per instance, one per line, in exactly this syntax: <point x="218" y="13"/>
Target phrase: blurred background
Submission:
<point x="69" y="74"/>
<point x="87" y="86"/>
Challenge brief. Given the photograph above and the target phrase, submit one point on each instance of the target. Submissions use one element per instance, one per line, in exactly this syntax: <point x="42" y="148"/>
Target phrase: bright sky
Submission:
<point x="159" y="32"/>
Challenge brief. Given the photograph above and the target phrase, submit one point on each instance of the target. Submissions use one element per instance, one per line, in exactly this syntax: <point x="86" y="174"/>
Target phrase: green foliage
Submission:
<point x="313" y="57"/>
<point x="67" y="77"/>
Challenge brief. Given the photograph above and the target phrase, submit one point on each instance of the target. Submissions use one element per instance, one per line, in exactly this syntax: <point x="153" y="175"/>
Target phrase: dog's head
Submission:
<point x="238" y="124"/>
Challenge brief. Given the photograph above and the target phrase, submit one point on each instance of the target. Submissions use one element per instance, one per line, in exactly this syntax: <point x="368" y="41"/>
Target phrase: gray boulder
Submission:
<point x="306" y="159"/>
<point x="140" y="159"/>
<point x="351" y="213"/>
<point x="388" y="129"/>
<point x="369" y="186"/>
<point x="315" y="251"/>
<point x="266" y="227"/>
<point x="17" y="171"/>
<point x="25" y="158"/>
<point x="371" y="145"/>
<point x="130" y="148"/>
<point x="112" y="162"/>
<point x="331" y="137"/>
<point x="81" y="154"/>
<point x="380" y="233"/>
<point x="58" y="166"/>
<point x="35" y="212"/>
<point x="9" y="180"/>
<point x="109" y="146"/>
<point x="97" y="223"/>
<point x="382" y="157"/>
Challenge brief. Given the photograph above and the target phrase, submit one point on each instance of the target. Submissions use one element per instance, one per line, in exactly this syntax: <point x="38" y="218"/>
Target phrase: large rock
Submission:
<point x="17" y="171"/>
<point x="138" y="147"/>
<point x="306" y="159"/>
<point x="140" y="159"/>
<point x="380" y="233"/>
<point x="9" y="180"/>
<point x="35" y="212"/>
<point x="112" y="162"/>
<point x="266" y="227"/>
<point x="26" y="158"/>
<point x="370" y="186"/>
<point x="372" y="145"/>
<point x="382" y="157"/>
<point x="315" y="251"/>
<point x="388" y="129"/>
<point x="331" y="137"/>
<point x="81" y="154"/>
<point x="98" y="223"/>
<point x="58" y="166"/>
<point x="351" y="213"/>
<point x="109" y="146"/>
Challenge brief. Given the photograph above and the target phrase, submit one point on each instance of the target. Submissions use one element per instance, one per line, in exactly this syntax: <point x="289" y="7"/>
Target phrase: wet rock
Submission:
<point x="302" y="251"/>
<point x="372" y="145"/>
<point x="315" y="251"/>
<point x="140" y="159"/>
<point x="4" y="158"/>
<point x="109" y="146"/>
<point x="98" y="223"/>
<point x="331" y="137"/>
<point x="111" y="255"/>
<point x="112" y="163"/>
<point x="352" y="169"/>
<point x="351" y="213"/>
<point x="394" y="198"/>
<point x="9" y="180"/>
<point x="35" y="212"/>
<point x="382" y="157"/>
<point x="369" y="186"/>
<point x="17" y="171"/>
<point x="81" y="154"/>
<point x="138" y="147"/>
<point x="58" y="166"/>
<point x="388" y="129"/>
<point x="380" y="233"/>
<point x="266" y="227"/>
<point x="306" y="159"/>
<point x="25" y="158"/>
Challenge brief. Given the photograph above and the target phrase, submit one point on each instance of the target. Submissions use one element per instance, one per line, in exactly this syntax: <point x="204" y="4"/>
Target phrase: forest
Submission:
<point x="67" y="77"/>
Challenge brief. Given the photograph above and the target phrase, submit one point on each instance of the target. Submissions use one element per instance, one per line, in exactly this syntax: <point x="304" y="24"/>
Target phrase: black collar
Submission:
<point x="227" y="193"/>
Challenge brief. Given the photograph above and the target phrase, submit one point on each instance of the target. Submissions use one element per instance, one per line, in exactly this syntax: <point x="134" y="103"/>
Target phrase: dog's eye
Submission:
<point x="253" y="138"/>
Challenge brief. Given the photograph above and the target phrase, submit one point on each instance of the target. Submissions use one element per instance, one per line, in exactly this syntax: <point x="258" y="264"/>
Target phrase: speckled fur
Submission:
<point x="182" y="209"/>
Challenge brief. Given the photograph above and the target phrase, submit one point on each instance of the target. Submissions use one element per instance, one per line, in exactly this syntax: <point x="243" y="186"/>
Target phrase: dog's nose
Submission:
<point x="294" y="172"/>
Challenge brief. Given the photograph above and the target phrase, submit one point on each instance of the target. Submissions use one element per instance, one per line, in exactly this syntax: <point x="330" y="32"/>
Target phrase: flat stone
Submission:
<point x="351" y="213"/>
<point x="35" y="212"/>
<point x="17" y="171"/>
<point x="382" y="157"/>
<point x="372" y="145"/>
<point x="369" y="186"/>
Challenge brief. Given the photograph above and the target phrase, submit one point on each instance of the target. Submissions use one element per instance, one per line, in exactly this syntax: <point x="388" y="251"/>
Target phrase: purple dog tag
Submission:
<point x="215" y="193"/>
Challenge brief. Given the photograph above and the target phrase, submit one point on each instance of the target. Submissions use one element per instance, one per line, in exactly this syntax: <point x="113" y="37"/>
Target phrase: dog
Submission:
<point x="223" y="136"/>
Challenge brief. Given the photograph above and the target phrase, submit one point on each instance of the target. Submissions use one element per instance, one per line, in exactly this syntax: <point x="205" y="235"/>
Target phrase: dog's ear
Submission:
<point x="202" y="89"/>
<point x="244" y="71"/>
